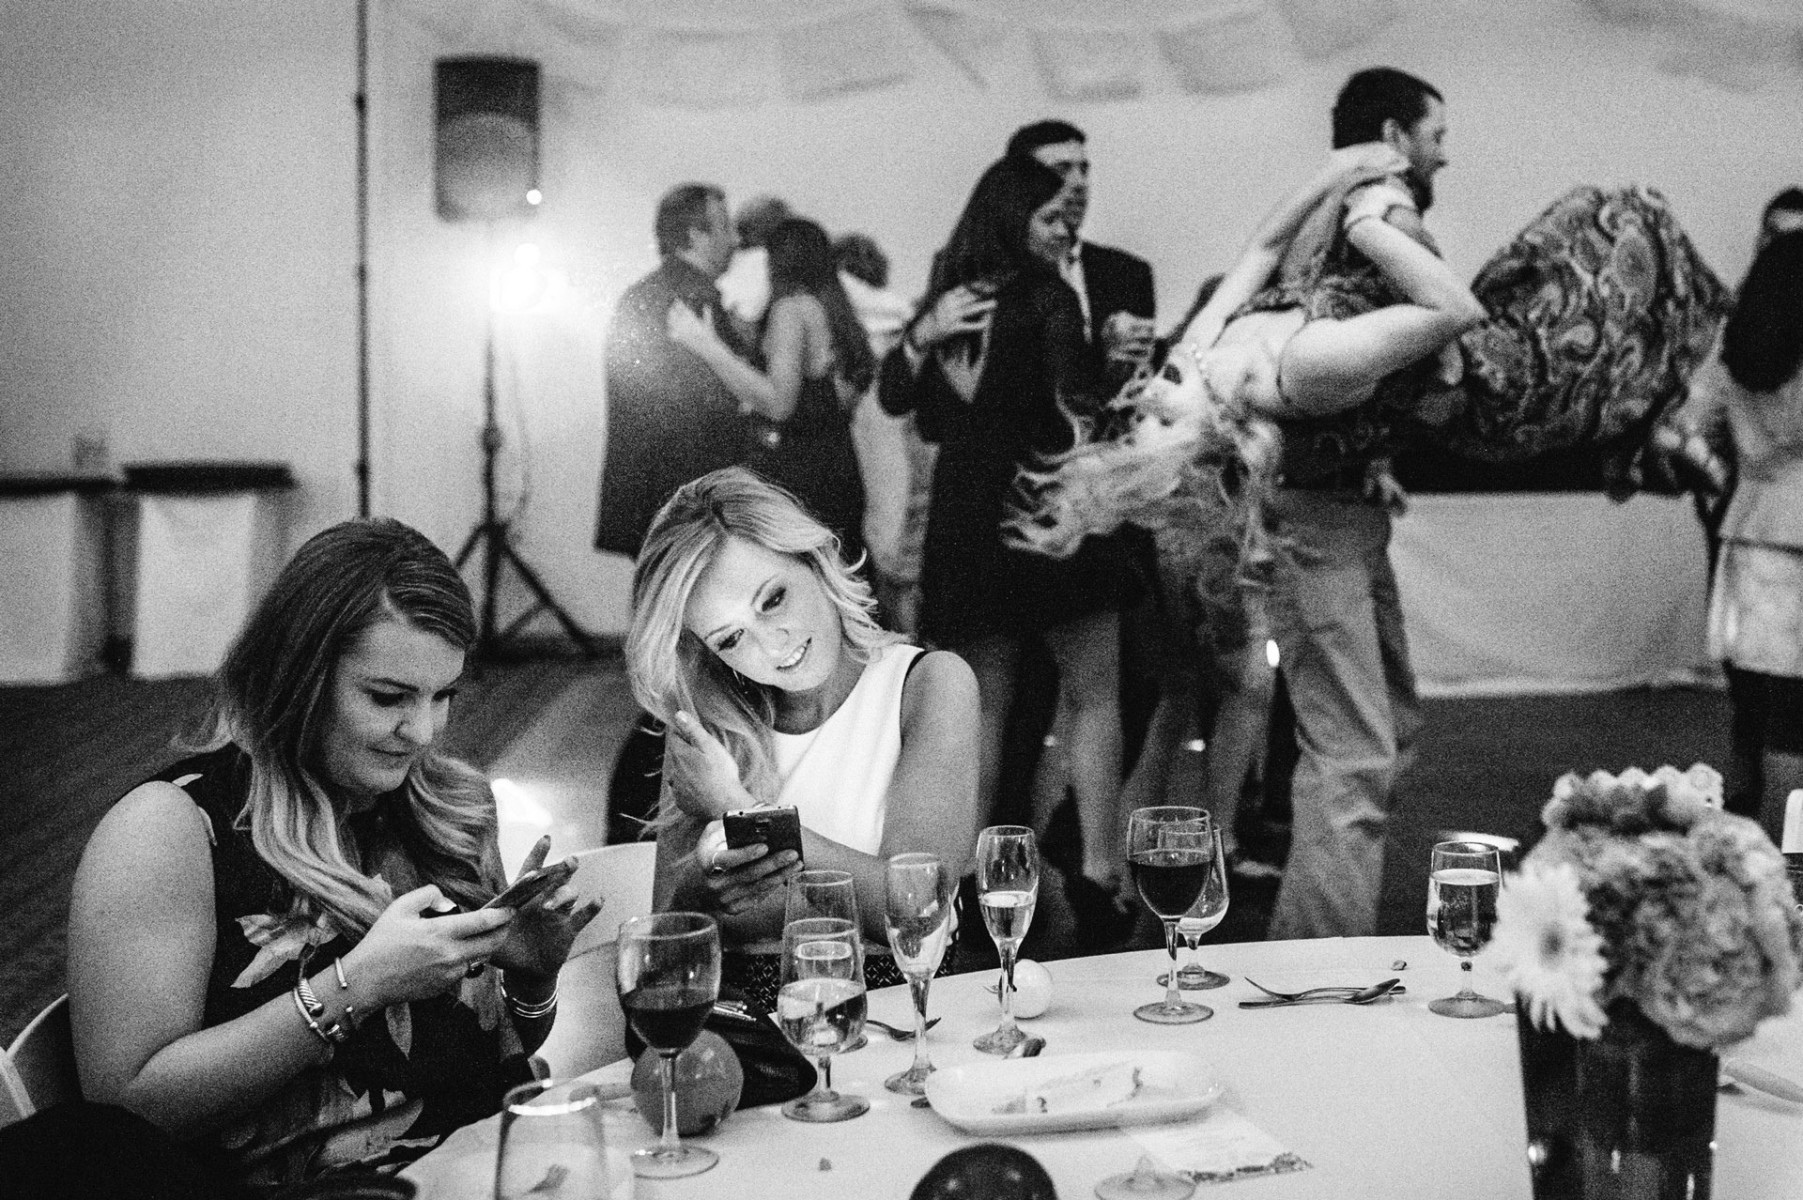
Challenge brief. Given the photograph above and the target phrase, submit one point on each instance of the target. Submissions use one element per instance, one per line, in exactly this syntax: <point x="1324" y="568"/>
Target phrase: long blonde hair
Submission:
<point x="673" y="670"/>
<point x="273" y="700"/>
<point x="1209" y="470"/>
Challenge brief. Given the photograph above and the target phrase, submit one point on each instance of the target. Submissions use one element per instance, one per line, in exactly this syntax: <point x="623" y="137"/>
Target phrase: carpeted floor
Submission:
<point x="67" y="752"/>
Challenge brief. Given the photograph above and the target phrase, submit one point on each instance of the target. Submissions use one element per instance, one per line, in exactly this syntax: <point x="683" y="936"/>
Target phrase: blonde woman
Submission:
<point x="251" y="964"/>
<point x="754" y="645"/>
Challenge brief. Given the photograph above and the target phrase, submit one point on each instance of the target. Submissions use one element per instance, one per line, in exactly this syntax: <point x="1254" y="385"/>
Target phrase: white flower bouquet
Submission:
<point x="1644" y="890"/>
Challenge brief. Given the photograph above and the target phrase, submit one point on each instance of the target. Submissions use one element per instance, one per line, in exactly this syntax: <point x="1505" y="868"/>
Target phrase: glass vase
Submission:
<point x="1629" y="1115"/>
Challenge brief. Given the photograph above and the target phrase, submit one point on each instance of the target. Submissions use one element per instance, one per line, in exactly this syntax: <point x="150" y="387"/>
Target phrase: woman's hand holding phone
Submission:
<point x="405" y="956"/>
<point x="548" y="919"/>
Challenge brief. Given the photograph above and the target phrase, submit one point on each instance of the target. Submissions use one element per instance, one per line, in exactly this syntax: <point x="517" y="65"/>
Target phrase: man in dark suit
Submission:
<point x="1113" y="286"/>
<point x="669" y="418"/>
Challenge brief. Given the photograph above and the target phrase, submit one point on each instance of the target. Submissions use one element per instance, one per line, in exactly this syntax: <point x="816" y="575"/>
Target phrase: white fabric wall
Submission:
<point x="178" y="219"/>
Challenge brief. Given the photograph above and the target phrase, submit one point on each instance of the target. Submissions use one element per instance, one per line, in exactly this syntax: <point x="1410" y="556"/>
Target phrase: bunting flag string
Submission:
<point x="703" y="54"/>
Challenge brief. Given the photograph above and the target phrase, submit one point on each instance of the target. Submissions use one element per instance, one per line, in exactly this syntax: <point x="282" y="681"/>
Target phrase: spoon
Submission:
<point x="1361" y="996"/>
<point x="900" y="1035"/>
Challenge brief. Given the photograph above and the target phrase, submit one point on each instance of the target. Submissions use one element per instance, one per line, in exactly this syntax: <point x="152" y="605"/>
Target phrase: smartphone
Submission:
<point x="777" y="828"/>
<point x="531" y="886"/>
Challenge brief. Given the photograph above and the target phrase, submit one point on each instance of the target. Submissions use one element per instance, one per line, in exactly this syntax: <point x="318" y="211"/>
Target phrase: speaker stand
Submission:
<point x="491" y="536"/>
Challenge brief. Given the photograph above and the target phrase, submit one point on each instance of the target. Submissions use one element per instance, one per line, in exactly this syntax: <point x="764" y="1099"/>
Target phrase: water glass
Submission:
<point x="1208" y="911"/>
<point x="821" y="893"/>
<point x="669" y="978"/>
<point x="1169" y="855"/>
<point x="918" y="913"/>
<point x="821" y="1008"/>
<point x="553" y="1143"/>
<point x="1462" y="883"/>
<point x="1007" y="891"/>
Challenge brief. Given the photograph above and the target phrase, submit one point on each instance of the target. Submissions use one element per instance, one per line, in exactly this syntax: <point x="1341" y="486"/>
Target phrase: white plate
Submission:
<point x="1172" y="1086"/>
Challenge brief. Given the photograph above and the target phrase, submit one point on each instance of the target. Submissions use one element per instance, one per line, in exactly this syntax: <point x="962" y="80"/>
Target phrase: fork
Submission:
<point x="900" y="1035"/>
<point x="1320" y="991"/>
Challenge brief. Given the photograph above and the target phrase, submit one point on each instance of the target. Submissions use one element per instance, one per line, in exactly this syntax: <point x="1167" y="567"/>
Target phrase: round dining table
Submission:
<point x="1384" y="1099"/>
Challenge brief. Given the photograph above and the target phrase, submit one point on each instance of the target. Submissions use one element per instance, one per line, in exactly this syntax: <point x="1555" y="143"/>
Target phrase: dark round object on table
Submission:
<point x="986" y="1171"/>
<point x="350" y="1185"/>
<point x="709" y="1080"/>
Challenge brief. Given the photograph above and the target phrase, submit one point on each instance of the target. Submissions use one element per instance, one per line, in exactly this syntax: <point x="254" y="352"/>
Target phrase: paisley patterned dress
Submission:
<point x="1598" y="312"/>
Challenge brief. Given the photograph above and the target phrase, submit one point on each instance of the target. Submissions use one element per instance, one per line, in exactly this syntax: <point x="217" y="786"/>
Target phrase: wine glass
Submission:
<point x="669" y="977"/>
<point x="825" y="893"/>
<point x="918" y="912"/>
<point x="821" y="893"/>
<point x="552" y="1142"/>
<point x="1007" y="890"/>
<point x="1207" y="912"/>
<point x="1462" y="882"/>
<point x="821" y="1008"/>
<point x="1168" y="854"/>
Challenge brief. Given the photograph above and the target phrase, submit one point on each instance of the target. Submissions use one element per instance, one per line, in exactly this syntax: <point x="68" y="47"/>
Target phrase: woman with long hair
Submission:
<point x="1581" y="332"/>
<point x="1754" y="385"/>
<point x="817" y="365"/>
<point x="754" y="644"/>
<point x="995" y="367"/>
<point x="251" y="963"/>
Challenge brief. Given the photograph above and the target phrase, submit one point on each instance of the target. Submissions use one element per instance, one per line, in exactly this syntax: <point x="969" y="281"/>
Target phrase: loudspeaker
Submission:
<point x="487" y="137"/>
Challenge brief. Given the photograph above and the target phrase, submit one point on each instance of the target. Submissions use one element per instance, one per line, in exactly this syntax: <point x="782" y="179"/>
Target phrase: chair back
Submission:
<point x="621" y="875"/>
<point x="38" y="1069"/>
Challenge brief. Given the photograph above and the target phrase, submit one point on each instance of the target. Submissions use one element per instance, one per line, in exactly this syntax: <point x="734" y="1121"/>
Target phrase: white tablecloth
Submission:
<point x="52" y="602"/>
<point x="1386" y="1101"/>
<point x="1559" y="592"/>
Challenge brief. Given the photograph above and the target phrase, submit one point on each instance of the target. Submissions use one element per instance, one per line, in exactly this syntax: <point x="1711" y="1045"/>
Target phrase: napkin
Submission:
<point x="1218" y="1147"/>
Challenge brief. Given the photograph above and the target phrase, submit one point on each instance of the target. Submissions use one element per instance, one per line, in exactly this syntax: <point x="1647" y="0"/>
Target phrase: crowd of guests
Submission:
<point x="282" y="956"/>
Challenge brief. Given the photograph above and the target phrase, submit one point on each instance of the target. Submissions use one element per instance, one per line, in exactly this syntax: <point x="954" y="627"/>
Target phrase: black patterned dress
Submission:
<point x="402" y="1083"/>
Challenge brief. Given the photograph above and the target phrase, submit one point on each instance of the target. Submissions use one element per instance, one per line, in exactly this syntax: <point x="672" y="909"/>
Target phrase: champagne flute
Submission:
<point x="1168" y="855"/>
<point x="669" y="977"/>
<point x="1462" y="882"/>
<point x="1007" y="890"/>
<point x="825" y="893"/>
<point x="821" y="1008"/>
<point x="1207" y="912"/>
<point x="552" y="1142"/>
<point x="918" y="912"/>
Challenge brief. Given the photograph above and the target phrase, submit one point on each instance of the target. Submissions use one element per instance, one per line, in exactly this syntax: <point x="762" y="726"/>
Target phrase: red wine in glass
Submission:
<point x="1169" y="880"/>
<point x="668" y="1017"/>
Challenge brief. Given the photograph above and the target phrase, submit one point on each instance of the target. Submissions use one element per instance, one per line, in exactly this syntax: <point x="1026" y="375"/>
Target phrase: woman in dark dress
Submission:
<point x="992" y="366"/>
<point x="818" y="365"/>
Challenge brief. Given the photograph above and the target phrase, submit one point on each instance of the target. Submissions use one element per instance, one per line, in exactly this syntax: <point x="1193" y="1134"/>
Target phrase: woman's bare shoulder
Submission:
<point x="939" y="684"/>
<point x="151" y="824"/>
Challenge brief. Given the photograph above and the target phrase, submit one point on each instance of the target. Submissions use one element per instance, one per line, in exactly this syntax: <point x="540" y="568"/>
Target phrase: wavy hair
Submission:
<point x="1762" y="341"/>
<point x="1206" y="473"/>
<point x="672" y="669"/>
<point x="273" y="700"/>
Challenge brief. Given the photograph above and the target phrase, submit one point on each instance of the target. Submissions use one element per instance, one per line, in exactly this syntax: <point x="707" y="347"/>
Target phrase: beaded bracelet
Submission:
<point x="530" y="1012"/>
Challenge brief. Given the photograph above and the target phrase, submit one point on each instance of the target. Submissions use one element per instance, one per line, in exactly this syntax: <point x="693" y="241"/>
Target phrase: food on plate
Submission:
<point x="1099" y="1087"/>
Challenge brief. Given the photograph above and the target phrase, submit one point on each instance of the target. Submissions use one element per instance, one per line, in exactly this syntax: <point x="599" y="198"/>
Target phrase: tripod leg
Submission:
<point x="530" y="578"/>
<point x="469" y="545"/>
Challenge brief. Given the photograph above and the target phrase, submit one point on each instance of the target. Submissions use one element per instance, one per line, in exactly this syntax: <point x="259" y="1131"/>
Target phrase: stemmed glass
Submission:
<point x="821" y="1008"/>
<point x="1207" y="912"/>
<point x="918" y="913"/>
<point x="825" y="893"/>
<point x="1462" y="882"/>
<point x="1007" y="890"/>
<point x="552" y="1142"/>
<point x="1168" y="853"/>
<point x="669" y="977"/>
<point x="821" y="893"/>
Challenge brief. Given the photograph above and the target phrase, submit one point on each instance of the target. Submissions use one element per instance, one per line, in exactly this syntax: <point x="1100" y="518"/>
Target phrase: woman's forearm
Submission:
<point x="753" y="389"/>
<point x="1418" y="272"/>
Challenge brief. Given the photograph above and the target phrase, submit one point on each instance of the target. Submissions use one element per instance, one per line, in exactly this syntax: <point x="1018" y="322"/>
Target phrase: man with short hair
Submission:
<point x="1333" y="603"/>
<point x="669" y="418"/>
<point x="1783" y="214"/>
<point x="1113" y="287"/>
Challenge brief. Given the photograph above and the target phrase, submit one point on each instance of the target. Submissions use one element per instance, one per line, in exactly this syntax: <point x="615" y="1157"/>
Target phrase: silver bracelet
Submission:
<point x="337" y="1031"/>
<point x="530" y="1012"/>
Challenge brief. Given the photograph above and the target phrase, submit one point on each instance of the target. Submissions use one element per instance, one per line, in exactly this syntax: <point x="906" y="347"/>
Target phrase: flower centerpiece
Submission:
<point x="1646" y="931"/>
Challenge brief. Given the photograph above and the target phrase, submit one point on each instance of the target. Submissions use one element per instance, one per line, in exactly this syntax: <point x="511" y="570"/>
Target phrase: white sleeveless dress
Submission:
<point x="838" y="775"/>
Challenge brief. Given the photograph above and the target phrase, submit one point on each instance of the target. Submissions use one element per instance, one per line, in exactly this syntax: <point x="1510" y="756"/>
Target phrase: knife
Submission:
<point x="1760" y="1079"/>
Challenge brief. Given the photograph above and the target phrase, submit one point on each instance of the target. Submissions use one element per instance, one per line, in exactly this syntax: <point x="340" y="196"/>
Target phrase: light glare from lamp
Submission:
<point x="535" y="197"/>
<point x="1271" y="652"/>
